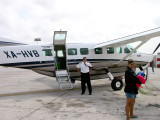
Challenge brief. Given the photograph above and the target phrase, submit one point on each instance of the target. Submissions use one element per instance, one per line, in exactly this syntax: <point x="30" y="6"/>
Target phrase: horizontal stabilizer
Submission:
<point x="8" y="42"/>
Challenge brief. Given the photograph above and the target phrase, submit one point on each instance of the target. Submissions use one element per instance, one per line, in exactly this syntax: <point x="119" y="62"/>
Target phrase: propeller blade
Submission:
<point x="152" y="66"/>
<point x="156" y="48"/>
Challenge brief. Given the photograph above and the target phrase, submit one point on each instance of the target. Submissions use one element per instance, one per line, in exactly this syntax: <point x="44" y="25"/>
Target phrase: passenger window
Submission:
<point x="119" y="50"/>
<point x="84" y="51"/>
<point x="60" y="53"/>
<point x="47" y="52"/>
<point x="72" y="51"/>
<point x="110" y="50"/>
<point x="126" y="50"/>
<point x="98" y="50"/>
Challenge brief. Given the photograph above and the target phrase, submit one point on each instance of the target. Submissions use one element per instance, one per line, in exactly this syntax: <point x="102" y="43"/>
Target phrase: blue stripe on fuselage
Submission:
<point x="27" y="63"/>
<point x="76" y="61"/>
<point x="38" y="64"/>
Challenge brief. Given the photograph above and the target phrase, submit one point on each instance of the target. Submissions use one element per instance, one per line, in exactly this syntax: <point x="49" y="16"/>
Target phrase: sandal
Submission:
<point x="135" y="116"/>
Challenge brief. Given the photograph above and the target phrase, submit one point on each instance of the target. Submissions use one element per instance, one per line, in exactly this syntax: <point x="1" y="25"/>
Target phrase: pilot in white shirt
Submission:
<point x="84" y="67"/>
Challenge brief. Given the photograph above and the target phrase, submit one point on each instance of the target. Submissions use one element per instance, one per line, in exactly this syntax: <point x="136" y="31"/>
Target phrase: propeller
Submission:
<point x="156" y="48"/>
<point x="153" y="53"/>
<point x="152" y="65"/>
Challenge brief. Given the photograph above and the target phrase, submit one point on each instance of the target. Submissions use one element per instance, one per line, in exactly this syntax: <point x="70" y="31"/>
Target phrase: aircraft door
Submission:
<point x="59" y="43"/>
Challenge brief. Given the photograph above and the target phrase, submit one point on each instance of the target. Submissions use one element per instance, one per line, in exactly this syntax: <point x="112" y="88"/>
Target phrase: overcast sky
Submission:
<point x="85" y="20"/>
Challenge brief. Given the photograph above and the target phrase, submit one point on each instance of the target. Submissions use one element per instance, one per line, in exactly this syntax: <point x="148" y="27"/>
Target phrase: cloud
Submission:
<point x="85" y="20"/>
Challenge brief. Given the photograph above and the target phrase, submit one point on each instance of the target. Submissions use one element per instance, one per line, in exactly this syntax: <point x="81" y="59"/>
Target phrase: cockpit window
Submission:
<point x="126" y="50"/>
<point x="131" y="47"/>
<point x="47" y="52"/>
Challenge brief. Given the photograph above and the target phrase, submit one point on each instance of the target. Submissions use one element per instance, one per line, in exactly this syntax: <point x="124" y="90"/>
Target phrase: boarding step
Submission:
<point x="62" y="77"/>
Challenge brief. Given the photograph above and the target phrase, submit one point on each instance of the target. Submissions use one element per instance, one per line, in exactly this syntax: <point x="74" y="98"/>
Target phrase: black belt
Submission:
<point x="85" y="73"/>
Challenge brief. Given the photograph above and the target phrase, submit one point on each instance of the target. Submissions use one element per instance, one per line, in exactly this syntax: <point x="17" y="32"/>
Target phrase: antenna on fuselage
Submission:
<point x="37" y="40"/>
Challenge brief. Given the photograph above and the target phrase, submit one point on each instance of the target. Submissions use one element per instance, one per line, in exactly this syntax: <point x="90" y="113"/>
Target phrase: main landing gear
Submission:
<point x="117" y="83"/>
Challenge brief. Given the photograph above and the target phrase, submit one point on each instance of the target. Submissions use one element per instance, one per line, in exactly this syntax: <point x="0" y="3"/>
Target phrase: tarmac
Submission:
<point x="26" y="95"/>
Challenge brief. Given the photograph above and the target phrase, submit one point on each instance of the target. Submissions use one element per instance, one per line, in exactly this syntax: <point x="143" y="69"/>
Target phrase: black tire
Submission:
<point x="117" y="84"/>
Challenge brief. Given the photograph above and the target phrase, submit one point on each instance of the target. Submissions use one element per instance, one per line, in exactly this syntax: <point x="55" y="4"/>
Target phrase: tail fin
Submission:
<point x="8" y="42"/>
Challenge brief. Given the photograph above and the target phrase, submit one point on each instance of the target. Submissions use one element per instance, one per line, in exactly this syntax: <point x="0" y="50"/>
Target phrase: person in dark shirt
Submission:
<point x="130" y="90"/>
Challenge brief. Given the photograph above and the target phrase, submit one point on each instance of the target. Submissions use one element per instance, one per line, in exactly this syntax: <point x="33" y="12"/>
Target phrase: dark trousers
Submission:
<point x="85" y="78"/>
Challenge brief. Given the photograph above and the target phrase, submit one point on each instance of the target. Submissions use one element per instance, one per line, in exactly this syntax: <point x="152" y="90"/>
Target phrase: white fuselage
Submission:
<point x="41" y="58"/>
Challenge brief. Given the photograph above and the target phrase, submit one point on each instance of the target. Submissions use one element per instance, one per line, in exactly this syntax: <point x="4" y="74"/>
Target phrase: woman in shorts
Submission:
<point x="130" y="89"/>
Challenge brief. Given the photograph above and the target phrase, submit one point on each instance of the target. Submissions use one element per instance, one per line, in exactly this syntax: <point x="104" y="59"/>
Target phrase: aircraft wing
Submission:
<point x="142" y="36"/>
<point x="8" y="42"/>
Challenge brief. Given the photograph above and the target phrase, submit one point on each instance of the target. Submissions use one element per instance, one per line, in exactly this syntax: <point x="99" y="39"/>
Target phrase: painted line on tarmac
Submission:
<point x="41" y="91"/>
<point x="33" y="92"/>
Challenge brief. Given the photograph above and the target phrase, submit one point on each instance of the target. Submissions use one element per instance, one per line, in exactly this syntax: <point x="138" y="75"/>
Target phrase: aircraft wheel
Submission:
<point x="117" y="84"/>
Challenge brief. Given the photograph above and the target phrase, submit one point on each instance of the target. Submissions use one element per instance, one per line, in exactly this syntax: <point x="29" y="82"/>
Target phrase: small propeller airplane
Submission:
<point x="59" y="59"/>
